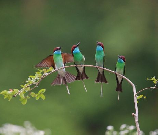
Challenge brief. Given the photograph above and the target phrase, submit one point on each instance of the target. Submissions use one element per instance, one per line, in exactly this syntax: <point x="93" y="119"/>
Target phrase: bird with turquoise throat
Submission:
<point x="100" y="62"/>
<point x="79" y="60"/>
<point x="57" y="61"/>
<point x="120" y="68"/>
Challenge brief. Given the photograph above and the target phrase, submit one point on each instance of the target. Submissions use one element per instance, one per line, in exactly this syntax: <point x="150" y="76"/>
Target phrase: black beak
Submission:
<point x="78" y="43"/>
<point x="118" y="56"/>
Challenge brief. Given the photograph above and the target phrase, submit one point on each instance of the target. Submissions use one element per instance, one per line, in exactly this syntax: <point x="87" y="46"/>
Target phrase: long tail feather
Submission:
<point x="84" y="86"/>
<point x="63" y="80"/>
<point x="81" y="76"/>
<point x="101" y="90"/>
<point x="118" y="95"/>
<point x="101" y="78"/>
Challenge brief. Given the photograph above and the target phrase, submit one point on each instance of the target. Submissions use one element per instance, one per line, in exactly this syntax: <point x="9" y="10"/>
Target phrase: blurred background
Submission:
<point x="29" y="31"/>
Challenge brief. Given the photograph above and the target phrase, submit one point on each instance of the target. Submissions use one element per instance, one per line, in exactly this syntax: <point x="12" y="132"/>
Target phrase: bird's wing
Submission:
<point x="47" y="62"/>
<point x="67" y="58"/>
<point x="84" y="58"/>
<point x="103" y="61"/>
<point x="124" y="71"/>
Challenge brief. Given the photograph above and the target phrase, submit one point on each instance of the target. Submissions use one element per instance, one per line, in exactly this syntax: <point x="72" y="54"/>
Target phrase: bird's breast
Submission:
<point x="120" y="71"/>
<point x="80" y="68"/>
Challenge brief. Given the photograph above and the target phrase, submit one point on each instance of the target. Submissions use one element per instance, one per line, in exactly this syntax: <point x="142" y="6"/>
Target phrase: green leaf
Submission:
<point x="153" y="79"/>
<point x="22" y="95"/>
<point x="4" y="92"/>
<point x="43" y="96"/>
<point x="33" y="94"/>
<point x="27" y="89"/>
<point x="23" y="101"/>
<point x="41" y="91"/>
<point x="50" y="69"/>
<point x="31" y="76"/>
<point x="139" y="97"/>
<point x="37" y="97"/>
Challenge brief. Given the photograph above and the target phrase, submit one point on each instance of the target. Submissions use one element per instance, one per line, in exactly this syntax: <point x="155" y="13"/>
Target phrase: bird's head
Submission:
<point x="121" y="59"/>
<point x="100" y="46"/>
<point x="57" y="50"/>
<point x="75" y="48"/>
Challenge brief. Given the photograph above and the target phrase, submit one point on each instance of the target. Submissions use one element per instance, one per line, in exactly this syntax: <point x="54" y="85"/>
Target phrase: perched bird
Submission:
<point x="120" y="68"/>
<point x="79" y="60"/>
<point x="99" y="58"/>
<point x="57" y="60"/>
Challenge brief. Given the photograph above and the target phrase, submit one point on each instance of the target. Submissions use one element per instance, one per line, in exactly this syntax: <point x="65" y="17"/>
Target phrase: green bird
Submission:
<point x="58" y="60"/>
<point x="79" y="60"/>
<point x="120" y="68"/>
<point x="99" y="58"/>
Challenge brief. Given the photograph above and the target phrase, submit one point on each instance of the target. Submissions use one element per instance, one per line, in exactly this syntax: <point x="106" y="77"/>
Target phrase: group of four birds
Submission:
<point x="59" y="59"/>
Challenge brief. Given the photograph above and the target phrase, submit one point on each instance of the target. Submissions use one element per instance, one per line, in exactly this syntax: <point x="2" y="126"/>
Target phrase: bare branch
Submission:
<point x="135" y="115"/>
<point x="148" y="88"/>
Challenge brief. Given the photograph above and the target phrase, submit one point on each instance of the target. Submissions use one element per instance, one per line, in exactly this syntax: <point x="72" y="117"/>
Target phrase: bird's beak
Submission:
<point x="60" y="48"/>
<point x="78" y="43"/>
<point x="118" y="56"/>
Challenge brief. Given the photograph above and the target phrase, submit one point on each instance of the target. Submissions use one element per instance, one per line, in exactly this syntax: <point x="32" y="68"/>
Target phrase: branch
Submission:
<point x="111" y="71"/>
<point x="155" y="87"/>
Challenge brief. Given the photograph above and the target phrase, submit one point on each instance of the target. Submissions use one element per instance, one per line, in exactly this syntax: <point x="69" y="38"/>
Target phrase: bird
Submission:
<point x="120" y="68"/>
<point x="100" y="61"/>
<point x="57" y="61"/>
<point x="79" y="60"/>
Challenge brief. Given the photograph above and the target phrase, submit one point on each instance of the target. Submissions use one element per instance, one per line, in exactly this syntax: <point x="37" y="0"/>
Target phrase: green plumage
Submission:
<point x="79" y="61"/>
<point x="120" y="67"/>
<point x="79" y="58"/>
<point x="58" y="60"/>
<point x="99" y="57"/>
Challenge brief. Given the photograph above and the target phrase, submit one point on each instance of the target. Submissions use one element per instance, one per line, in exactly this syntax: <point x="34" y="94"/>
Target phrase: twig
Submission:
<point x="155" y="87"/>
<point x="36" y="84"/>
<point x="134" y="89"/>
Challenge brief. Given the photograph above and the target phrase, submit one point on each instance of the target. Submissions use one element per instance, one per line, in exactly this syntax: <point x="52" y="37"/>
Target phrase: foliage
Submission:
<point x="154" y="80"/>
<point x="31" y="83"/>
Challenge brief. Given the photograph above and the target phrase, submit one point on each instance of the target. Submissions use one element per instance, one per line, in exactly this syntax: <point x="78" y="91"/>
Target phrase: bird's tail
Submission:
<point x="68" y="78"/>
<point x="119" y="87"/>
<point x="101" y="78"/>
<point x="81" y="76"/>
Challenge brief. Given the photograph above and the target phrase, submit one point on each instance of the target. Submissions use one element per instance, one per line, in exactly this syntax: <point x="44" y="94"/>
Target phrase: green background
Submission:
<point x="29" y="31"/>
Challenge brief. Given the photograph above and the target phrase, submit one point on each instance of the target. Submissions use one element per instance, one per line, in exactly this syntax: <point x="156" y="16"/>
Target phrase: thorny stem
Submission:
<point x="135" y="115"/>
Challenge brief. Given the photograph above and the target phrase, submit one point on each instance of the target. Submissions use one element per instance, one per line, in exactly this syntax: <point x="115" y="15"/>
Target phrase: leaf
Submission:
<point x="139" y="97"/>
<point x="33" y="94"/>
<point x="43" y="96"/>
<point x="23" y="101"/>
<point x="50" y="69"/>
<point x="153" y="79"/>
<point x="22" y="95"/>
<point x="27" y="89"/>
<point x="4" y="92"/>
<point x="41" y="91"/>
<point x="31" y="76"/>
<point x="37" y="97"/>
